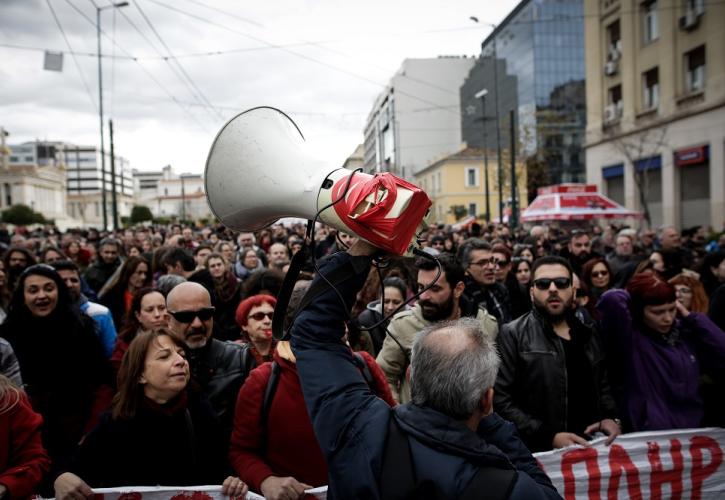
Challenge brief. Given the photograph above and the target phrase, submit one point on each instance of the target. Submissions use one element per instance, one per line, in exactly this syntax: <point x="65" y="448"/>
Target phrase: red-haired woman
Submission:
<point x="254" y="317"/>
<point x="23" y="460"/>
<point x="659" y="357"/>
<point x="690" y="293"/>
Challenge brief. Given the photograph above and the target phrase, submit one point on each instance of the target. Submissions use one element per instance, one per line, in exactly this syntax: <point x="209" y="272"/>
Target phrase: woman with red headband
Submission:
<point x="659" y="349"/>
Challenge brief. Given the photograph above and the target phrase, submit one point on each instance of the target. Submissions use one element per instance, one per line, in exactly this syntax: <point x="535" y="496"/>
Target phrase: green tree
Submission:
<point x="459" y="211"/>
<point x="140" y="213"/>
<point x="21" y="215"/>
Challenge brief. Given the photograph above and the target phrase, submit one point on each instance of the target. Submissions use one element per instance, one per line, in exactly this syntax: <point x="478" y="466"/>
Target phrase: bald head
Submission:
<point x="191" y="321"/>
<point x="183" y="292"/>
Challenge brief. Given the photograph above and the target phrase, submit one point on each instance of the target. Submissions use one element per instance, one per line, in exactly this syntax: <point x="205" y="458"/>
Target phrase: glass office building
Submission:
<point x="539" y="48"/>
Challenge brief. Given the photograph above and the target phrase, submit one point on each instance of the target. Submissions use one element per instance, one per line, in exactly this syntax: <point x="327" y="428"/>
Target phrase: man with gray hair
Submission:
<point x="447" y="443"/>
<point x="482" y="289"/>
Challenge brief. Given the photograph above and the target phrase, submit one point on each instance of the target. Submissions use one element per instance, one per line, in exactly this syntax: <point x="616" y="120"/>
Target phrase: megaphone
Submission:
<point x="258" y="172"/>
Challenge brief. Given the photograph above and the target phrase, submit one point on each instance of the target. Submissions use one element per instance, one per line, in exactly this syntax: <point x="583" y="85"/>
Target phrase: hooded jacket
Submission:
<point x="351" y="423"/>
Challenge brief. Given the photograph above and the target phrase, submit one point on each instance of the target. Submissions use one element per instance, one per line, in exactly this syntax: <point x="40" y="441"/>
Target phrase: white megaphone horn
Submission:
<point x="258" y="172"/>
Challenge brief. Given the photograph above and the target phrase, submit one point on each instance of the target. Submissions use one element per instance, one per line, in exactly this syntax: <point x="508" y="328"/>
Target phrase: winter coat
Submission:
<point x="404" y="326"/>
<point x="372" y="315"/>
<point x="23" y="460"/>
<point x="661" y="375"/>
<point x="103" y="320"/>
<point x="9" y="365"/>
<point x="161" y="445"/>
<point x="351" y="424"/>
<point x="99" y="273"/>
<point x="66" y="375"/>
<point x="531" y="387"/>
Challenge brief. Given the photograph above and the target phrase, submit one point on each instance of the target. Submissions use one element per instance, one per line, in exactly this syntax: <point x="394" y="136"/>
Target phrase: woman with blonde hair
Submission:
<point x="690" y="293"/>
<point x="23" y="460"/>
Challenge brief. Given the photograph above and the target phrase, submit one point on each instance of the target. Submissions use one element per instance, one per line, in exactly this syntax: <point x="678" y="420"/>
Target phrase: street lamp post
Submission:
<point x="481" y="94"/>
<point x="100" y="107"/>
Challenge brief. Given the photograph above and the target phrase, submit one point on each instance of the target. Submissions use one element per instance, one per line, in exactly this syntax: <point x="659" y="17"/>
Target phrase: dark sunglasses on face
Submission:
<point x="597" y="274"/>
<point x="545" y="283"/>
<point x="259" y="316"/>
<point x="203" y="314"/>
<point x="502" y="263"/>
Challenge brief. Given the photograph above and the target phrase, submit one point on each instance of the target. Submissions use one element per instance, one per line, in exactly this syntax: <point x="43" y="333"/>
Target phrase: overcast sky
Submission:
<point x="322" y="62"/>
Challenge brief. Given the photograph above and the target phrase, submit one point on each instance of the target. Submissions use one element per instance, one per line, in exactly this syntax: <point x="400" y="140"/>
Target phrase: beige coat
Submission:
<point x="404" y="326"/>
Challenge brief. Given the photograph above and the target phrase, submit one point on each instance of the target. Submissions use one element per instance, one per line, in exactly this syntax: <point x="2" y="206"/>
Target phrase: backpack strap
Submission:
<point x="364" y="369"/>
<point x="491" y="482"/>
<point x="397" y="478"/>
<point x="269" y="391"/>
<point x="248" y="362"/>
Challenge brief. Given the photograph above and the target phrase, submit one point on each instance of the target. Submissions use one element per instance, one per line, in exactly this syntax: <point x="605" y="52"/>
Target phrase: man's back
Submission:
<point x="351" y="424"/>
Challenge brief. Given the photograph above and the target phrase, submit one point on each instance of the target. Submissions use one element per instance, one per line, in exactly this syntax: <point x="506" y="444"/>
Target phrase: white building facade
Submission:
<point x="171" y="195"/>
<point x="416" y="119"/>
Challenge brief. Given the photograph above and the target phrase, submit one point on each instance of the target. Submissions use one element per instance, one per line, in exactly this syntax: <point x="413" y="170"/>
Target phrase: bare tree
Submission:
<point x="639" y="147"/>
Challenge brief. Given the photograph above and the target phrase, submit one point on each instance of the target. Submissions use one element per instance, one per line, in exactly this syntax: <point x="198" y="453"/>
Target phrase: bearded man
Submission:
<point x="439" y="303"/>
<point x="552" y="383"/>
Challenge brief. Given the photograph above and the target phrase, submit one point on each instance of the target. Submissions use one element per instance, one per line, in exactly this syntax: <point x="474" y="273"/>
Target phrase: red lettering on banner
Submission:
<point x="134" y="495"/>
<point x="619" y="461"/>
<point x="192" y="495"/>
<point x="589" y="457"/>
<point x="700" y="471"/>
<point x="659" y="476"/>
<point x="541" y="466"/>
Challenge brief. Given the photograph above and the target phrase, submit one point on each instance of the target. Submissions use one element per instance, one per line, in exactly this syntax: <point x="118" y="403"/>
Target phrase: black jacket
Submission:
<point x="177" y="444"/>
<point x="99" y="272"/>
<point x="219" y="370"/>
<point x="531" y="388"/>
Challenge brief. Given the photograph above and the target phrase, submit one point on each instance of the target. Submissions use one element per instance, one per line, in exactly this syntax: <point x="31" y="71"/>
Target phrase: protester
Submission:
<point x="217" y="367"/>
<point x="118" y="291"/>
<point x="518" y="282"/>
<point x="690" y="293"/>
<point x="503" y="261"/>
<point x="597" y="275"/>
<point x="51" y="254"/>
<point x="440" y="300"/>
<point x="9" y="366"/>
<point x="159" y="431"/>
<point x="247" y="264"/>
<point x="100" y="314"/>
<point x="147" y="313"/>
<point x="713" y="271"/>
<point x="227" y="294"/>
<point x="481" y="287"/>
<point x="395" y="292"/>
<point x="254" y="317"/>
<point x="23" y="460"/>
<point x="66" y="375"/>
<point x="452" y="375"/>
<point x="552" y="383"/>
<point x="4" y="293"/>
<point x="578" y="250"/>
<point x="660" y="357"/>
<point x="16" y="260"/>
<point x="108" y="260"/>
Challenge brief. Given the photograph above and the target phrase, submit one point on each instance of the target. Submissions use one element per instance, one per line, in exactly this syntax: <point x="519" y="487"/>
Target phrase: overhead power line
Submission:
<point x="75" y="60"/>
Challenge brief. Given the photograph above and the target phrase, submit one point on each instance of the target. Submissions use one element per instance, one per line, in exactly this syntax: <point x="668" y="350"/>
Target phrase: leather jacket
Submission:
<point x="219" y="368"/>
<point x="531" y="388"/>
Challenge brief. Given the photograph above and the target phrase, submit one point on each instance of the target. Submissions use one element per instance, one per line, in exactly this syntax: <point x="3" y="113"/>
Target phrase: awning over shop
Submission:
<point x="570" y="202"/>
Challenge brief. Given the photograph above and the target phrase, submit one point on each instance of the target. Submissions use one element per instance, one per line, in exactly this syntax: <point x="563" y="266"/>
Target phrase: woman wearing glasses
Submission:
<point x="661" y="349"/>
<point x="254" y="317"/>
<point x="597" y="275"/>
<point x="66" y="375"/>
<point x="690" y="293"/>
<point x="159" y="431"/>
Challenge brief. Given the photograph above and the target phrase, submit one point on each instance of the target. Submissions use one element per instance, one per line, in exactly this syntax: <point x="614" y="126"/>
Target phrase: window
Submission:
<point x="615" y="104"/>
<point x="472" y="209"/>
<point x="696" y="6"/>
<point x="471" y="177"/>
<point x="614" y="41"/>
<point x="695" y="69"/>
<point x="651" y="87"/>
<point x="8" y="194"/>
<point x="650" y="29"/>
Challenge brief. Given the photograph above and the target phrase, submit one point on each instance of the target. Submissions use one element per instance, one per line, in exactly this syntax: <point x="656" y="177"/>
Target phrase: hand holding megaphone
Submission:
<point x="258" y="172"/>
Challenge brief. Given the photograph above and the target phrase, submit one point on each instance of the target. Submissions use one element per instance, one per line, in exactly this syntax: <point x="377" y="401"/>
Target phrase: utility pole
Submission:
<point x="513" y="219"/>
<point x="114" y="200"/>
<point x="482" y="95"/>
<point x="100" y="108"/>
<point x="183" y="199"/>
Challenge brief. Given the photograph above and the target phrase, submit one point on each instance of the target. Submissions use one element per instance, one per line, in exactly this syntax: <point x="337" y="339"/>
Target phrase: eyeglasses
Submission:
<point x="545" y="283"/>
<point x="203" y="314"/>
<point x="259" y="316"/>
<point x="485" y="262"/>
<point x="597" y="274"/>
<point x="502" y="263"/>
<point x="683" y="290"/>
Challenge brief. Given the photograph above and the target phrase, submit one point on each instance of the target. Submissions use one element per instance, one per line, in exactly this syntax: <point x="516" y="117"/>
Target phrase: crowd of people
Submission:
<point x="146" y="356"/>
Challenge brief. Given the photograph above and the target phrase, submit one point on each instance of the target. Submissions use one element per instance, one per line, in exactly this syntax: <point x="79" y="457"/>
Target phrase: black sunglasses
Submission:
<point x="259" y="316"/>
<point x="545" y="283"/>
<point x="203" y="314"/>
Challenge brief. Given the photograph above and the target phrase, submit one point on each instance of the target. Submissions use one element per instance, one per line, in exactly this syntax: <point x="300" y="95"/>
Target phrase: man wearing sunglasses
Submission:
<point x="552" y="383"/>
<point x="217" y="367"/>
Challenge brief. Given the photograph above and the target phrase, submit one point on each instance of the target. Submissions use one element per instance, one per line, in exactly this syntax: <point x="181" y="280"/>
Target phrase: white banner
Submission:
<point x="686" y="463"/>
<point x="181" y="493"/>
